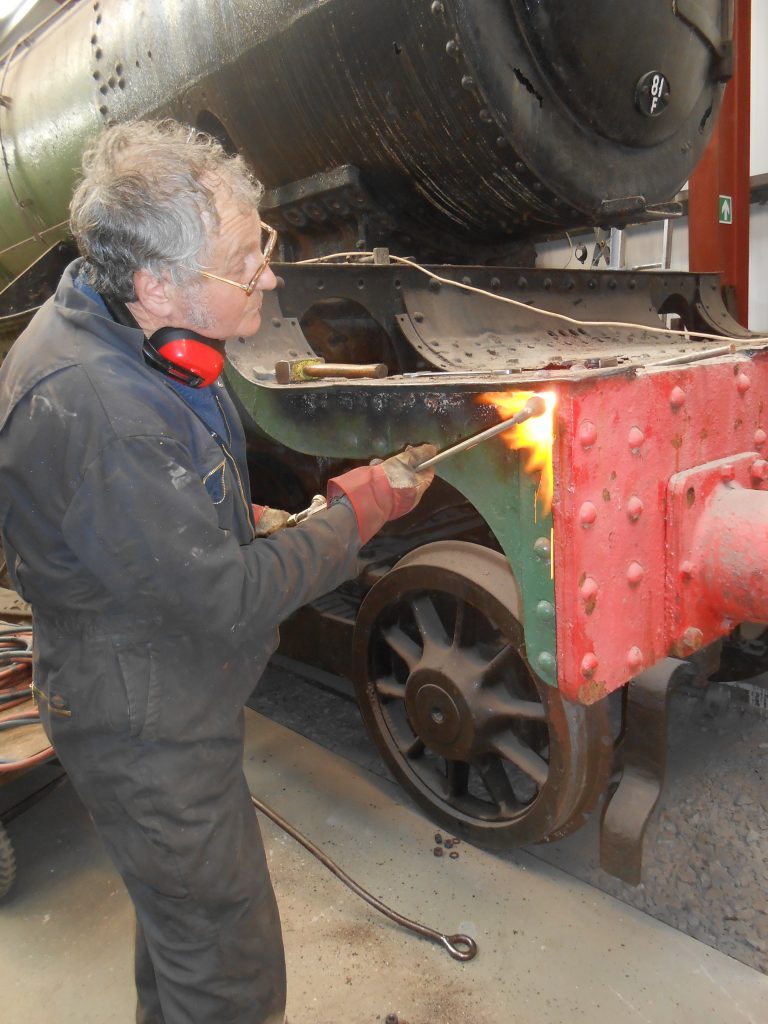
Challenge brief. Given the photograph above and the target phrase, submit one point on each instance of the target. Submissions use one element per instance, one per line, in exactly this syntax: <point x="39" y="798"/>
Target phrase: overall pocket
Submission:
<point x="137" y="673"/>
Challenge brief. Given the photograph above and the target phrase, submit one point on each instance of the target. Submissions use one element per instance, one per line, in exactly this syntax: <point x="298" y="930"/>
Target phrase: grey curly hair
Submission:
<point x="146" y="202"/>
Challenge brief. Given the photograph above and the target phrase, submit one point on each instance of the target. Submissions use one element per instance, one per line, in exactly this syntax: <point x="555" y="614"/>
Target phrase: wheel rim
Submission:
<point x="446" y="692"/>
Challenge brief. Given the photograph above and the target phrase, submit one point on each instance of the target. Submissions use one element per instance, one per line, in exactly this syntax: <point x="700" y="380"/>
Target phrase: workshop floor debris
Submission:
<point x="551" y="947"/>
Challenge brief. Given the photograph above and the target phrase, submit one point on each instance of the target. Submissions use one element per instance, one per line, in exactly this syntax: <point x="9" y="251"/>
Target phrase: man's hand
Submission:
<point x="268" y="520"/>
<point x="404" y="478"/>
<point x="384" y="491"/>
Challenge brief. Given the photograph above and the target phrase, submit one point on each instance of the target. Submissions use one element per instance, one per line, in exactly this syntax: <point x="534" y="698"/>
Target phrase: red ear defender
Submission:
<point x="184" y="356"/>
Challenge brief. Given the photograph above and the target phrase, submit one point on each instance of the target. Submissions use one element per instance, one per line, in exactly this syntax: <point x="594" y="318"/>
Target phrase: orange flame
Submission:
<point x="536" y="434"/>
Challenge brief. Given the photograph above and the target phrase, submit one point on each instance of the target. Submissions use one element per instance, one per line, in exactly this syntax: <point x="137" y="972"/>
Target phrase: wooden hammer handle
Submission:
<point x="353" y="371"/>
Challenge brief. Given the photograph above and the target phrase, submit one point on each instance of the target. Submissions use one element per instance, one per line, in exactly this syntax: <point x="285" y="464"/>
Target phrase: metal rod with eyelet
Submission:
<point x="460" y="947"/>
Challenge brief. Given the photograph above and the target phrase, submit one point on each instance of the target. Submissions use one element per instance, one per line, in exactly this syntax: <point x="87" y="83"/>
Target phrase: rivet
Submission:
<point x="636" y="438"/>
<point x="501" y="141"/>
<point x="587" y="514"/>
<point x="634" y="508"/>
<point x="541" y="548"/>
<point x="693" y="638"/>
<point x="635" y="574"/>
<point x="588" y="589"/>
<point x="437" y="7"/>
<point x="451" y="47"/>
<point x="760" y="438"/>
<point x="546" y="662"/>
<point x="467" y="82"/>
<point x="418" y="317"/>
<point x="728" y="472"/>
<point x="589" y="664"/>
<point x="676" y="397"/>
<point x="634" y="658"/>
<point x="743" y="383"/>
<point x="485" y="116"/>
<point x="686" y="570"/>
<point x="545" y="610"/>
<point x="587" y="434"/>
<point x="759" y="470"/>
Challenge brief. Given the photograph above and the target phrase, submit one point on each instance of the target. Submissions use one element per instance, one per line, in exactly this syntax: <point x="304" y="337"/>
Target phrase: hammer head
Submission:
<point x="288" y="371"/>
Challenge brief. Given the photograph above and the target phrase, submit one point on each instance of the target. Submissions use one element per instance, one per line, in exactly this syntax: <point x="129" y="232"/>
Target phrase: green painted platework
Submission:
<point x="364" y="422"/>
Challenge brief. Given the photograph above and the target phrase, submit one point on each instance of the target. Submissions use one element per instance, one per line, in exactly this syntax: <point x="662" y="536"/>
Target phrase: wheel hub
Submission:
<point x="441" y="712"/>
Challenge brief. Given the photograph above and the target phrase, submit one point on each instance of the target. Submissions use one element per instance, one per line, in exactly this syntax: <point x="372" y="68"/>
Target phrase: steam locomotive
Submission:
<point x="614" y="545"/>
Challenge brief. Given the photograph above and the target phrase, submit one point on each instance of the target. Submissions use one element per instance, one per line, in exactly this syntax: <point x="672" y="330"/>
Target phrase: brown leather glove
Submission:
<point x="268" y="520"/>
<point x="384" y="491"/>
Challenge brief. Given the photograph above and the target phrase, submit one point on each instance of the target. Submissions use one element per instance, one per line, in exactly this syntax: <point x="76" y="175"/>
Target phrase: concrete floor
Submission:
<point x="552" y="949"/>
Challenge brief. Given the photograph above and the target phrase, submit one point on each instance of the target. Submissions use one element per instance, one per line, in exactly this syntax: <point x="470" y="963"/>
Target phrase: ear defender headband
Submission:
<point x="184" y="356"/>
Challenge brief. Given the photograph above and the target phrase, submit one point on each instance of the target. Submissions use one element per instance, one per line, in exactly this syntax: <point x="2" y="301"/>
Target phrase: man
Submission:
<point x="125" y="514"/>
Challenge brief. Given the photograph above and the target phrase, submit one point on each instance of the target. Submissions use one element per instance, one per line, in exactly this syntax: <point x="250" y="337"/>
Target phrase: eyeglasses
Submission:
<point x="267" y="251"/>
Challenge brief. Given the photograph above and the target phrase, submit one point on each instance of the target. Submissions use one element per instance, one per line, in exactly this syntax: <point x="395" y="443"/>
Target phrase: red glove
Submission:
<point x="385" y="491"/>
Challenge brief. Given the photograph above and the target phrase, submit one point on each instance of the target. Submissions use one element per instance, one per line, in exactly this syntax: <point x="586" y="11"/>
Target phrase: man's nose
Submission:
<point x="267" y="281"/>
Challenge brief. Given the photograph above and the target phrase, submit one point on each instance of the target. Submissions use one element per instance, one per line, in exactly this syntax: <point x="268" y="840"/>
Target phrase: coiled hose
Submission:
<point x="16" y="688"/>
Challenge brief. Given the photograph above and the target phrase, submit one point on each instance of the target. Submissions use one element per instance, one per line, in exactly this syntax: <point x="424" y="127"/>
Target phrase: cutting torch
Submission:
<point x="535" y="406"/>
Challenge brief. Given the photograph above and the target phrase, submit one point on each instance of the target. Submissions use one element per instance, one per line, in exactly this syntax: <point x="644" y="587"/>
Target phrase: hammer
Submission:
<point x="291" y="371"/>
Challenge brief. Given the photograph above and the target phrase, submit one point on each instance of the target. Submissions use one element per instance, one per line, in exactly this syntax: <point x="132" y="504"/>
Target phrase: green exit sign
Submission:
<point x="725" y="209"/>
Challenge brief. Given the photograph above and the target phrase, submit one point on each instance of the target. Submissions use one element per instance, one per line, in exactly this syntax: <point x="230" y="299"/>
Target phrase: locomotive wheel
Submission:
<point x="7" y="862"/>
<point x="490" y="751"/>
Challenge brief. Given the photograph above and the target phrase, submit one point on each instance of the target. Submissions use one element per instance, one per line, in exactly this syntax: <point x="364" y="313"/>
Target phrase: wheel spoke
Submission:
<point x="496" y="665"/>
<point x="498" y="785"/>
<point x="457" y="776"/>
<point x="403" y="646"/>
<point x="389" y="687"/>
<point x="527" y="760"/>
<point x="460" y="623"/>
<point x="415" y="748"/>
<point x="428" y="621"/>
<point x="530" y="710"/>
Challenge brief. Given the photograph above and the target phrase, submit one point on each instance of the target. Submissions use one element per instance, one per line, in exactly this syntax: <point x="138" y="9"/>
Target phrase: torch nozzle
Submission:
<point x="535" y="406"/>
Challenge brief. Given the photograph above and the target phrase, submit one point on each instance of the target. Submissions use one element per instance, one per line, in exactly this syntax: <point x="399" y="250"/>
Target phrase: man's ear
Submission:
<point x="152" y="294"/>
